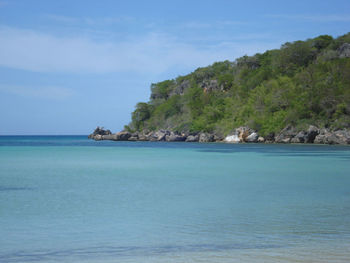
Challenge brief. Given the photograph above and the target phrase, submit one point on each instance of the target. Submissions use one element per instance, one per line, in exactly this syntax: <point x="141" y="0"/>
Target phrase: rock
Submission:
<point x="343" y="136"/>
<point x="242" y="134"/>
<point x="142" y="137"/>
<point x="134" y="137"/>
<point x="261" y="139"/>
<point x="206" y="137"/>
<point x="180" y="88"/>
<point x="98" y="137"/>
<point x="337" y="137"/>
<point x="286" y="135"/>
<point x="232" y="139"/>
<point x="149" y="136"/>
<point x="112" y="137"/>
<point x="344" y="50"/>
<point x="192" y="138"/>
<point x="270" y="138"/>
<point x="299" y="138"/>
<point x="123" y="136"/>
<point x="252" y="137"/>
<point x="211" y="85"/>
<point x="311" y="134"/>
<point x="285" y="140"/>
<point x="321" y="138"/>
<point x="159" y="135"/>
<point x="99" y="131"/>
<point x="173" y="137"/>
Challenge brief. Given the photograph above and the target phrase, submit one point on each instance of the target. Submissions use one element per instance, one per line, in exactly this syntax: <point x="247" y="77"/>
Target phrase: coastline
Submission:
<point x="289" y="135"/>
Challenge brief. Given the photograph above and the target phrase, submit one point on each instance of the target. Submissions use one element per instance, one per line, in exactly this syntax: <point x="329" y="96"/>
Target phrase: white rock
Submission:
<point x="232" y="139"/>
<point x="252" y="137"/>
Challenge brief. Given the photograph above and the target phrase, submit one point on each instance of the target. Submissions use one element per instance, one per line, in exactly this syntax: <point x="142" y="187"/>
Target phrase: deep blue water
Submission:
<point x="70" y="199"/>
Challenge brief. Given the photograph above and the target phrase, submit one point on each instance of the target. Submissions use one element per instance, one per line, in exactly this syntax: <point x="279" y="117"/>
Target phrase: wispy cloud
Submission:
<point x="49" y="92"/>
<point x="219" y="24"/>
<point x="89" y="21"/>
<point x="151" y="53"/>
<point x="61" y="18"/>
<point x="314" y="18"/>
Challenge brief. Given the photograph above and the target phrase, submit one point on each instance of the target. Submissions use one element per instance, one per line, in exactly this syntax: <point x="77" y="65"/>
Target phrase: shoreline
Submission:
<point x="289" y="135"/>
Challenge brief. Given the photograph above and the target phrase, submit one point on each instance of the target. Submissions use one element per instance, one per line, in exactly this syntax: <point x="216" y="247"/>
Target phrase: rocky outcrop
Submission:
<point x="239" y="135"/>
<point x="336" y="137"/>
<point x="291" y="135"/>
<point x="242" y="134"/>
<point x="206" y="137"/>
<point x="174" y="137"/>
<point x="99" y="131"/>
<point x="253" y="137"/>
<point x="100" y="134"/>
<point x="286" y="135"/>
<point x="211" y="85"/>
<point x="122" y="136"/>
<point x="180" y="88"/>
<point x="344" y="50"/>
<point x="192" y="138"/>
<point x="232" y="139"/>
<point x="159" y="135"/>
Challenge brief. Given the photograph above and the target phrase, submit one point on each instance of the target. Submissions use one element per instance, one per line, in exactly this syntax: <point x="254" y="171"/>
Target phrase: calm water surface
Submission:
<point x="69" y="199"/>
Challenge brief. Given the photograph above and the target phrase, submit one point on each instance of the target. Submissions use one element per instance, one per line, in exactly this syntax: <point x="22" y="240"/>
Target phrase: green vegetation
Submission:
<point x="304" y="82"/>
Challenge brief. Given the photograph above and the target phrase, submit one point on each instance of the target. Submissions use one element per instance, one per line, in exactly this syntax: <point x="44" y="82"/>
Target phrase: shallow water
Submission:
<point x="69" y="199"/>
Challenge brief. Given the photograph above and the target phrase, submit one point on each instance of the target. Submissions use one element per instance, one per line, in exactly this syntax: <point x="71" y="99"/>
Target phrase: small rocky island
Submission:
<point x="239" y="135"/>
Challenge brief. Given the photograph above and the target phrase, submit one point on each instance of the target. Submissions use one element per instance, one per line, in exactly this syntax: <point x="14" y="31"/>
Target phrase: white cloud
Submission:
<point x="150" y="53"/>
<point x="48" y="92"/>
<point x="89" y="21"/>
<point x="315" y="18"/>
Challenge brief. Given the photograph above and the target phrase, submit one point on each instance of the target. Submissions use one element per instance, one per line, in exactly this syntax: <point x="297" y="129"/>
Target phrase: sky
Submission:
<point x="69" y="66"/>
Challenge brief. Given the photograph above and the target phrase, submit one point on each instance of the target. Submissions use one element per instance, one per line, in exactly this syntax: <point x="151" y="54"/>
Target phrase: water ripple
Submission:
<point x="122" y="251"/>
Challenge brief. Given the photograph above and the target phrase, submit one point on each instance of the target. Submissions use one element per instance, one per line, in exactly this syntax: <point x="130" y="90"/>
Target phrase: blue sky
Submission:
<point x="68" y="66"/>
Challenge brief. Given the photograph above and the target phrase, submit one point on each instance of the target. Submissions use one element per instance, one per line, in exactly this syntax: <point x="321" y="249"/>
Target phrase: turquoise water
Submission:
<point x="69" y="199"/>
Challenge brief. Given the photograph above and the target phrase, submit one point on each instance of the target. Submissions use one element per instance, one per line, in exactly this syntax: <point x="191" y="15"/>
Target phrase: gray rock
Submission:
<point x="343" y="136"/>
<point x="211" y="85"/>
<point x="112" y="137"/>
<point x="173" y="137"/>
<point x="285" y="140"/>
<point x="180" y="88"/>
<point x="270" y="138"/>
<point x="123" y="136"/>
<point x="299" y="138"/>
<point x="344" y="50"/>
<point x="337" y="137"/>
<point x="99" y="131"/>
<point x="311" y="134"/>
<point x="143" y="137"/>
<point x="206" y="137"/>
<point x="134" y="137"/>
<point x="286" y="135"/>
<point x="98" y="137"/>
<point x="192" y="138"/>
<point x="159" y="135"/>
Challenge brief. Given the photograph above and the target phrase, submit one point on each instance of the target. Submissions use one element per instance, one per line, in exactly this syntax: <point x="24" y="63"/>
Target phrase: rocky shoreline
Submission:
<point x="240" y="135"/>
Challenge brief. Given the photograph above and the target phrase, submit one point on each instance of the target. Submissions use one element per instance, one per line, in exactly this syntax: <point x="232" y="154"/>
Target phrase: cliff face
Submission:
<point x="303" y="83"/>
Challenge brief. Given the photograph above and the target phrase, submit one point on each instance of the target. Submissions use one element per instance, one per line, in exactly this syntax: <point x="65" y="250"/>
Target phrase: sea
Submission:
<point x="70" y="199"/>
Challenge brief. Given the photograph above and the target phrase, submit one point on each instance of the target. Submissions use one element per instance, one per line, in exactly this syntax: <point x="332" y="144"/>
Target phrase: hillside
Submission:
<point x="303" y="83"/>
